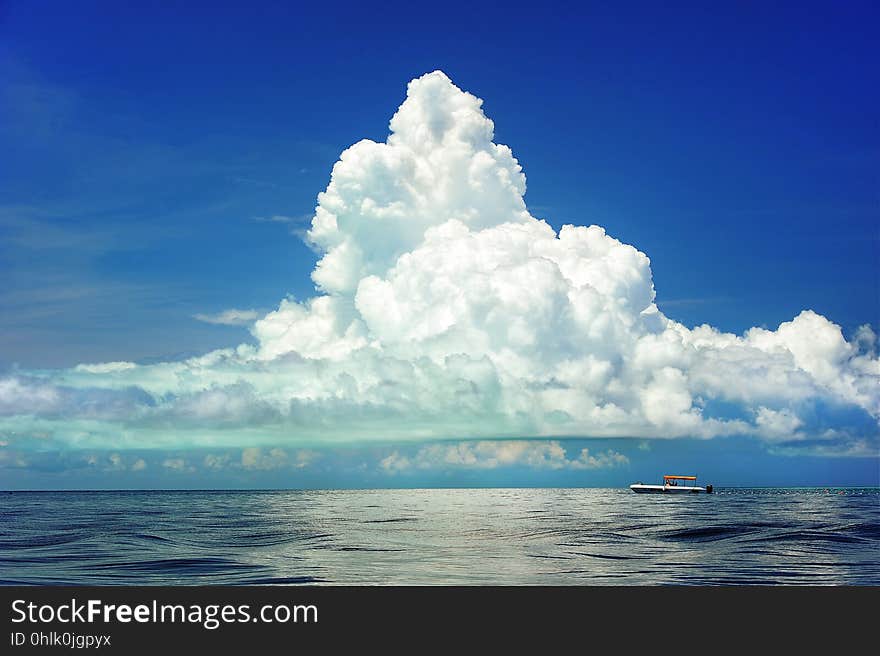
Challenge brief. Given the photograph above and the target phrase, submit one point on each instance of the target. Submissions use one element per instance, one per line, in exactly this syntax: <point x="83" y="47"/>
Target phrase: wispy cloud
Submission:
<point x="244" y="180"/>
<point x="302" y="219"/>
<point x="296" y="225"/>
<point x="231" y="317"/>
<point x="686" y="302"/>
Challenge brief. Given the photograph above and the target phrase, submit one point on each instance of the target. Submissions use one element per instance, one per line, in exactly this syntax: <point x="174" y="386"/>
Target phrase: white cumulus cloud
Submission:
<point x="446" y="310"/>
<point x="487" y="454"/>
<point x="255" y="458"/>
<point x="177" y="465"/>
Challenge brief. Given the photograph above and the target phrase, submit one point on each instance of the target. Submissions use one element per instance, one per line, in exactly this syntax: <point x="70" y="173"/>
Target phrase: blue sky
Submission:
<point x="163" y="162"/>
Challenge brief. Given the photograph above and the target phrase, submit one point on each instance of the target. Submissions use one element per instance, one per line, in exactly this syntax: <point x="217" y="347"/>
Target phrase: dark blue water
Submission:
<point x="495" y="536"/>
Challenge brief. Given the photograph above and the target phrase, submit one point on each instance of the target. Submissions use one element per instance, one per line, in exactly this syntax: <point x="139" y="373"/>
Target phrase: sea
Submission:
<point x="583" y="536"/>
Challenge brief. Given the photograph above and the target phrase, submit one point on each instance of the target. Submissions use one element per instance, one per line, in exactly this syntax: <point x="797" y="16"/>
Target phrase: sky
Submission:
<point x="181" y="308"/>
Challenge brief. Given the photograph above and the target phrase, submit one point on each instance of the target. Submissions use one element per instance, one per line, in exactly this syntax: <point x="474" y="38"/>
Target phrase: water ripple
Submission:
<point x="506" y="537"/>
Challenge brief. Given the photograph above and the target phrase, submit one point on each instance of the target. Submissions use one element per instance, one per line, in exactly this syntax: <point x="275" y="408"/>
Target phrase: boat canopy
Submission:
<point x="681" y="478"/>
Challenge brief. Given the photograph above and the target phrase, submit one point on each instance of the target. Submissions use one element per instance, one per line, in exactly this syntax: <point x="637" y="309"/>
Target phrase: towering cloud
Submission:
<point x="445" y="309"/>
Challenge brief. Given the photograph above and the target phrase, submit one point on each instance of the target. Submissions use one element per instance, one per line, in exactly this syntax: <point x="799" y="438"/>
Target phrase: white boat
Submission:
<point x="671" y="486"/>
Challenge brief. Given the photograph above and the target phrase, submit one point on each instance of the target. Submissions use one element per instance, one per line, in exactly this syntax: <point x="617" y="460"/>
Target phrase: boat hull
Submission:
<point x="667" y="489"/>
